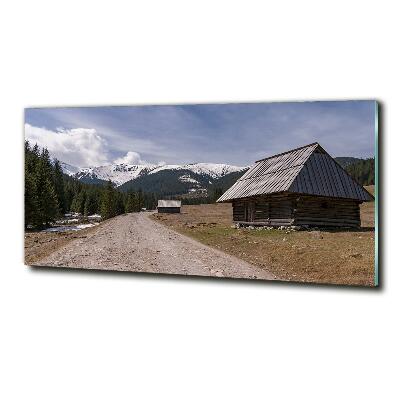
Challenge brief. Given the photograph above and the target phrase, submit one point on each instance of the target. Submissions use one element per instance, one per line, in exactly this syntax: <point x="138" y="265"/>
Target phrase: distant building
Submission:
<point x="303" y="187"/>
<point x="169" y="206"/>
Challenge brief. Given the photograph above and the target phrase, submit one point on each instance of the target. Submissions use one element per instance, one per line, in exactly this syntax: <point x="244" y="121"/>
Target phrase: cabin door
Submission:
<point x="250" y="211"/>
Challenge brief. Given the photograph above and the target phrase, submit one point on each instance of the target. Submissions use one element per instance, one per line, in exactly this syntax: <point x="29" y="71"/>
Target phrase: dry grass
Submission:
<point x="368" y="210"/>
<point x="321" y="257"/>
<point x="334" y="257"/>
<point x="39" y="245"/>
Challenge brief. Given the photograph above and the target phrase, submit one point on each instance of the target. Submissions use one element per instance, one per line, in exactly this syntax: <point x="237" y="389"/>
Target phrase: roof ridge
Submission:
<point x="316" y="144"/>
<point x="280" y="172"/>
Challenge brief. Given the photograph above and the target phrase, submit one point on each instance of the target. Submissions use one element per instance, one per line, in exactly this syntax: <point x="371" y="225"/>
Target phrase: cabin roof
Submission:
<point x="169" y="203"/>
<point x="306" y="170"/>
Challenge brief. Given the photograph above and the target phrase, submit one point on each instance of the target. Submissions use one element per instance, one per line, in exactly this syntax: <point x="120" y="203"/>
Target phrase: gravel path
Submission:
<point x="135" y="242"/>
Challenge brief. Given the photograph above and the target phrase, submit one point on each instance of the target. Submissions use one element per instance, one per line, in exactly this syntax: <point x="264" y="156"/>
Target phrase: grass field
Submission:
<point x="335" y="257"/>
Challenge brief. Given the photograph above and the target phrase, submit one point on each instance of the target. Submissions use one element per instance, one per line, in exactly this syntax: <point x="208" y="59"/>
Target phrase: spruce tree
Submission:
<point x="48" y="208"/>
<point x="59" y="186"/>
<point x="30" y="158"/>
<point x="131" y="202"/>
<point x="119" y="203"/>
<point x="140" y="200"/>
<point x="68" y="195"/>
<point x="31" y="201"/>
<point x="36" y="151"/>
<point x="108" y="209"/>
<point x="91" y="205"/>
<point x="46" y="200"/>
<point x="78" y="202"/>
<point x="46" y="164"/>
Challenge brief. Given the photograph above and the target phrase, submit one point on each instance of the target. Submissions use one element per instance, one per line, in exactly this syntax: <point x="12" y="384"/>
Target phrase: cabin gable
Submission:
<point x="323" y="176"/>
<point x="304" y="186"/>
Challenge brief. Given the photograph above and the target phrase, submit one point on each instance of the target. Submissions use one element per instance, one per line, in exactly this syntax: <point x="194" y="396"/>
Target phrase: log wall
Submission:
<point x="317" y="211"/>
<point x="238" y="210"/>
<point x="291" y="209"/>
<point x="268" y="210"/>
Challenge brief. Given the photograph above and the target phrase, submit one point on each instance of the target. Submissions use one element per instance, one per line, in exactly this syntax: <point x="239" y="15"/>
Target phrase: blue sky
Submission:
<point x="236" y="134"/>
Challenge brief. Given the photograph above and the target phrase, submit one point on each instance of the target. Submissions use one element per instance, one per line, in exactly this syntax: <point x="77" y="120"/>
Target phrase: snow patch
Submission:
<point x="117" y="173"/>
<point x="68" y="169"/>
<point x="67" y="221"/>
<point x="210" y="169"/>
<point x="188" y="179"/>
<point x="66" y="228"/>
<point x="94" y="216"/>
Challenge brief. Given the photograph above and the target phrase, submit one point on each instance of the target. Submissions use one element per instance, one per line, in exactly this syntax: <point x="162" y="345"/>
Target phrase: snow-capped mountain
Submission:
<point x="122" y="173"/>
<point x="118" y="174"/>
<point x="215" y="171"/>
<point x="68" y="169"/>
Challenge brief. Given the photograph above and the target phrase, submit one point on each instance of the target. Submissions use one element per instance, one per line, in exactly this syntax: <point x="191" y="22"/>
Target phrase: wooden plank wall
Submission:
<point x="238" y="210"/>
<point x="269" y="210"/>
<point x="291" y="209"/>
<point x="327" y="212"/>
<point x="262" y="209"/>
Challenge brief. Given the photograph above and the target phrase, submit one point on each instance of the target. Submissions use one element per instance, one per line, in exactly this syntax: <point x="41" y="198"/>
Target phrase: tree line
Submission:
<point x="49" y="193"/>
<point x="363" y="171"/>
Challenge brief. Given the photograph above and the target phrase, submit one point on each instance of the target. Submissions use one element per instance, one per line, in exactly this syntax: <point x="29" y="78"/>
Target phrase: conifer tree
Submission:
<point x="31" y="201"/>
<point x="153" y="202"/>
<point x="47" y="209"/>
<point x="217" y="194"/>
<point x="68" y="195"/>
<point x="140" y="199"/>
<point x="363" y="171"/>
<point x="36" y="151"/>
<point x="119" y="203"/>
<point x="46" y="165"/>
<point x="59" y="186"/>
<point x="47" y="202"/>
<point x="78" y="202"/>
<point x="108" y="209"/>
<point x="131" y="204"/>
<point x="30" y="158"/>
<point x="91" y="205"/>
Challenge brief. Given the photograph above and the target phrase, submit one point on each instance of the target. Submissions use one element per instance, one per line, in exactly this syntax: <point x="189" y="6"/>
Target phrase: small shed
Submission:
<point x="169" y="206"/>
<point x="302" y="187"/>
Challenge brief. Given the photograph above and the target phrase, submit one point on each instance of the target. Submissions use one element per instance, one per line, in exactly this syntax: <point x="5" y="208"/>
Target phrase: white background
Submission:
<point x="70" y="335"/>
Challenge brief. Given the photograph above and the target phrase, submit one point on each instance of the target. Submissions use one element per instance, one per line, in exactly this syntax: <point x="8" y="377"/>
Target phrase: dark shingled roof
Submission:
<point x="306" y="170"/>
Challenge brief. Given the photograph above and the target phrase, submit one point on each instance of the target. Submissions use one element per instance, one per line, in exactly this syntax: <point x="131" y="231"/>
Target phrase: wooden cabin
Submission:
<point x="301" y="187"/>
<point x="169" y="206"/>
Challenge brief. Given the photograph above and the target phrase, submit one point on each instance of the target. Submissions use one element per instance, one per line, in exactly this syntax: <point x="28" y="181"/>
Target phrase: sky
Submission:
<point x="236" y="134"/>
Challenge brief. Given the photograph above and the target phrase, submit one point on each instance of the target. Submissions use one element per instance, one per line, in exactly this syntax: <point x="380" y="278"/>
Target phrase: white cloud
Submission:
<point x="131" y="157"/>
<point x="80" y="147"/>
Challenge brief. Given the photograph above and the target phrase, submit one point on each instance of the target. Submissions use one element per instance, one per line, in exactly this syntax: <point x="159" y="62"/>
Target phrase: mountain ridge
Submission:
<point x="194" y="179"/>
<point x="120" y="174"/>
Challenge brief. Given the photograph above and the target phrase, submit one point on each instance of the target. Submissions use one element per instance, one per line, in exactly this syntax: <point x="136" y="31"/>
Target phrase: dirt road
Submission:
<point x="135" y="242"/>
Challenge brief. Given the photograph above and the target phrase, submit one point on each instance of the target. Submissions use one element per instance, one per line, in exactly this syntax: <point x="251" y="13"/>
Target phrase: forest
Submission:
<point x="363" y="171"/>
<point x="49" y="193"/>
